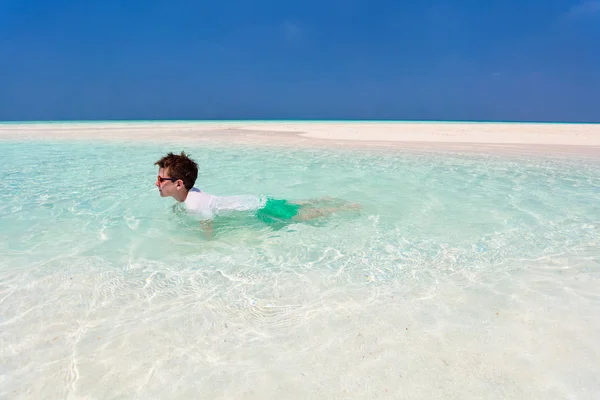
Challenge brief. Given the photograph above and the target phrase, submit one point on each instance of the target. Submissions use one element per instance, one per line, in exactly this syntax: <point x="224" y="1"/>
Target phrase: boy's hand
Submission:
<point x="207" y="229"/>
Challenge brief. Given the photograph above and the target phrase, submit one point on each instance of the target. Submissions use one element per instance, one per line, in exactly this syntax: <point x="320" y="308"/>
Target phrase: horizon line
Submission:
<point x="6" y="122"/>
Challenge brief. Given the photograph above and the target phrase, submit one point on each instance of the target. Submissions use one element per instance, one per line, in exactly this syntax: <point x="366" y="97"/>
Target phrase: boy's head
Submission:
<point x="181" y="173"/>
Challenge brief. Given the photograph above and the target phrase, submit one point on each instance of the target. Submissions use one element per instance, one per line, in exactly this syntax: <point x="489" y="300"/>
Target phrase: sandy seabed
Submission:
<point x="525" y="332"/>
<point x="517" y="138"/>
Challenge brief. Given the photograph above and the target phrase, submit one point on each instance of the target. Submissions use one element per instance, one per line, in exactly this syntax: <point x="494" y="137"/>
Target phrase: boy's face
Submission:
<point x="167" y="187"/>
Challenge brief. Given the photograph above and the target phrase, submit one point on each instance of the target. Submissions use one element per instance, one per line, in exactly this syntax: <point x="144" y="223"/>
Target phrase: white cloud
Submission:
<point x="291" y="31"/>
<point x="585" y="9"/>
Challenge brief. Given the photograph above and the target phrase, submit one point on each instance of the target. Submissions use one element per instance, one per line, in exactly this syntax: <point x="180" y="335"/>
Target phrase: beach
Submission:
<point x="549" y="138"/>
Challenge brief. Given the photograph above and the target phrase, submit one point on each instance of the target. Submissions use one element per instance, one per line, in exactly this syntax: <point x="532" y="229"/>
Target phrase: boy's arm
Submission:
<point x="207" y="228"/>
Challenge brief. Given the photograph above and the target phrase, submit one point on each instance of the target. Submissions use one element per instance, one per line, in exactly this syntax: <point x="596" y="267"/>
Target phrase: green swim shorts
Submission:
<point x="277" y="211"/>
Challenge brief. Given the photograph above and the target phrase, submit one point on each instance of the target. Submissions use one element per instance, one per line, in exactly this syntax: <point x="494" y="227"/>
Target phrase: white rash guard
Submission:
<point x="206" y="206"/>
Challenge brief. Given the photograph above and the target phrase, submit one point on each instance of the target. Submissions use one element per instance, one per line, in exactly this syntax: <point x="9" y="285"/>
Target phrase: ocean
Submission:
<point x="463" y="275"/>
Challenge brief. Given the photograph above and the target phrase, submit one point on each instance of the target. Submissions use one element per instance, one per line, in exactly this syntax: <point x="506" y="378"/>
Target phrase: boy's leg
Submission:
<point x="318" y="201"/>
<point x="324" y="202"/>
<point x="308" y="213"/>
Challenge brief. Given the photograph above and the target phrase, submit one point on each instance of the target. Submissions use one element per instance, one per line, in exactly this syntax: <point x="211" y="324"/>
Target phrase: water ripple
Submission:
<point x="458" y="273"/>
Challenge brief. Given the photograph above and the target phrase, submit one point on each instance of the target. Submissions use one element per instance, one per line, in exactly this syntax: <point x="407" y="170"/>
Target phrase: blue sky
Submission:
<point x="515" y="60"/>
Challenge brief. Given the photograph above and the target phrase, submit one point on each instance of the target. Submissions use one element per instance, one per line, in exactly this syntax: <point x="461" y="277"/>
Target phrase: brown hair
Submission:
<point x="180" y="167"/>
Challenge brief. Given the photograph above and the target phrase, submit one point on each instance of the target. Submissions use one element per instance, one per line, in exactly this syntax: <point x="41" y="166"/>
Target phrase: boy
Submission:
<point x="177" y="175"/>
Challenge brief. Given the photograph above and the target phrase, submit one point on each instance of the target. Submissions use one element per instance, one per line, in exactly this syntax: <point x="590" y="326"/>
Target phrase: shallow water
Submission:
<point x="462" y="276"/>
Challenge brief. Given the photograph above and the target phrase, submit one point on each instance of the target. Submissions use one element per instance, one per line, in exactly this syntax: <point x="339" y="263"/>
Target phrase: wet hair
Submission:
<point x="180" y="166"/>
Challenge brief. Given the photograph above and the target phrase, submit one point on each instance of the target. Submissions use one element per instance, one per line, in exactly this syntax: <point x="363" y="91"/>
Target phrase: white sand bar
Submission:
<point x="578" y="138"/>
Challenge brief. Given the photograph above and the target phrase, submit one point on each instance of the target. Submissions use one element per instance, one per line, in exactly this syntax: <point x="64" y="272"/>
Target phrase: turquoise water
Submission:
<point x="461" y="276"/>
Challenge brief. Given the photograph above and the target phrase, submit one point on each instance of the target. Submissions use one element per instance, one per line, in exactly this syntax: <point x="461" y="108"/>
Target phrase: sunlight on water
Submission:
<point x="461" y="276"/>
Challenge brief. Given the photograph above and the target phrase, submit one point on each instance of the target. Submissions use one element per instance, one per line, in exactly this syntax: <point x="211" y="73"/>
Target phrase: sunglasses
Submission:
<point x="161" y="179"/>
